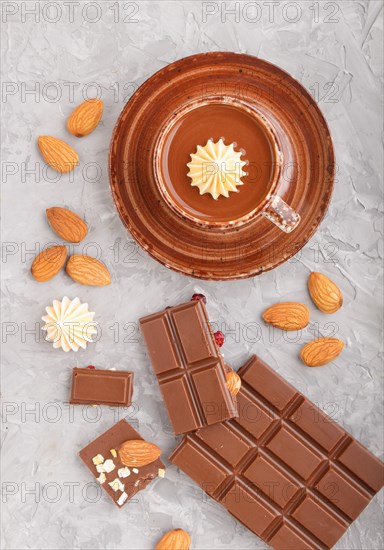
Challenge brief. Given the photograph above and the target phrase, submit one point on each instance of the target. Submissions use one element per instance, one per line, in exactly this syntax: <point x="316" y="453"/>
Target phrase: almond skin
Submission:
<point x="287" y="315"/>
<point x="87" y="271"/>
<point x="321" y="351"/>
<point x="58" y="154"/>
<point x="177" y="539"/>
<point x="85" y="118"/>
<point x="68" y="225"/>
<point x="48" y="263"/>
<point x="324" y="293"/>
<point x="233" y="382"/>
<point x="137" y="452"/>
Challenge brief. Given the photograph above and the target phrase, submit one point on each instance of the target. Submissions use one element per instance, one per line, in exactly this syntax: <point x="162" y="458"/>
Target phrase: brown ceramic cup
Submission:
<point x="305" y="182"/>
<point x="191" y="126"/>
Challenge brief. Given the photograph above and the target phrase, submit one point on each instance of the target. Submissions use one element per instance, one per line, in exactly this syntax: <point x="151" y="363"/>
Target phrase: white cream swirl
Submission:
<point x="216" y="168"/>
<point x="69" y="324"/>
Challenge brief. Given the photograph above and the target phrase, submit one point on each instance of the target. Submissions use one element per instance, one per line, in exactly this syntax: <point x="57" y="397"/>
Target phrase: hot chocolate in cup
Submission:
<point x="235" y="122"/>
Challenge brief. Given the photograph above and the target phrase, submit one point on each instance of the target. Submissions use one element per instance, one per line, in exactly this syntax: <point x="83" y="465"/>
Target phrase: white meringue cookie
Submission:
<point x="216" y="168"/>
<point x="69" y="324"/>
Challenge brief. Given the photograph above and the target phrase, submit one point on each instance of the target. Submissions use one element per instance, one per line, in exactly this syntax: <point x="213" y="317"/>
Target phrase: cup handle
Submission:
<point x="281" y="214"/>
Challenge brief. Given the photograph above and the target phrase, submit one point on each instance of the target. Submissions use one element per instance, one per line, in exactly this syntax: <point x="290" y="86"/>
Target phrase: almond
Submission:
<point x="137" y="452"/>
<point x="177" y="539"/>
<point x="324" y="293"/>
<point x="321" y="351"/>
<point x="233" y="382"/>
<point x="58" y="154"/>
<point x="287" y="315"/>
<point x="84" y="119"/>
<point x="68" y="225"/>
<point x="48" y="263"/>
<point x="87" y="271"/>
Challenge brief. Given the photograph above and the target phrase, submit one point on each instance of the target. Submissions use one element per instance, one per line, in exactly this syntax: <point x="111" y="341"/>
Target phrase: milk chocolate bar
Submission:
<point x="282" y="468"/>
<point x="189" y="366"/>
<point x="119" y="482"/>
<point x="101" y="387"/>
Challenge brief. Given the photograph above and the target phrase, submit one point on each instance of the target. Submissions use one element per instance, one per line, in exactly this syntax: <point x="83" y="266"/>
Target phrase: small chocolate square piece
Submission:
<point x="119" y="481"/>
<point x="101" y="387"/>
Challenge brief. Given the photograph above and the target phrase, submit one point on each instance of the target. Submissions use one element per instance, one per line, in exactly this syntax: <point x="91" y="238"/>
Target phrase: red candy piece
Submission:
<point x="219" y="338"/>
<point x="196" y="297"/>
<point x="90" y="367"/>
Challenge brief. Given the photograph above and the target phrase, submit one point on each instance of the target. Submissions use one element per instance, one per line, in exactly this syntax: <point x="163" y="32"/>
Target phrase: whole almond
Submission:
<point x="137" y="452"/>
<point x="233" y="382"/>
<point x="48" y="263"/>
<point x="58" y="154"/>
<point x="68" y="225"/>
<point x="287" y="315"/>
<point x="321" y="351"/>
<point x="87" y="271"/>
<point x="177" y="539"/>
<point x="84" y="119"/>
<point x="324" y="293"/>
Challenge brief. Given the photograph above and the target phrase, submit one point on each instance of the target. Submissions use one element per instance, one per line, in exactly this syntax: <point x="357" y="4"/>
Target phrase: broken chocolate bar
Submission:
<point x="120" y="482"/>
<point x="101" y="387"/>
<point x="189" y="366"/>
<point x="283" y="468"/>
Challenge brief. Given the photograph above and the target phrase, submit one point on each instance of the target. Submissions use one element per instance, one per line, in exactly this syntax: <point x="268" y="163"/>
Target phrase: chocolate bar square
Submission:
<point x="101" y="387"/>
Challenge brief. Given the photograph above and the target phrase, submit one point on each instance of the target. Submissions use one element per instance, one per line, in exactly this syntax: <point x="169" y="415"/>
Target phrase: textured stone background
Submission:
<point x="107" y="48"/>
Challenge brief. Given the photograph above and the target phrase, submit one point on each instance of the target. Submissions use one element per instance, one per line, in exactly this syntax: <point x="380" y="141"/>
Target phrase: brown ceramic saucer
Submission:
<point x="244" y="243"/>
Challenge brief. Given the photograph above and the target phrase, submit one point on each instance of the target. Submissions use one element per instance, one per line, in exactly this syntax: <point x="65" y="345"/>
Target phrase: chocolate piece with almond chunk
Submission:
<point x="119" y="482"/>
